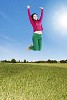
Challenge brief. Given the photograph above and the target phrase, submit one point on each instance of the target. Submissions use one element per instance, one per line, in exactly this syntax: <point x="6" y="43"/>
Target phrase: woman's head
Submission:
<point x="34" y="16"/>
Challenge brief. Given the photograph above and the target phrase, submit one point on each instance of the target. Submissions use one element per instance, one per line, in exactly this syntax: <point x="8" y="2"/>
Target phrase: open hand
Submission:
<point x="28" y="6"/>
<point x="41" y="7"/>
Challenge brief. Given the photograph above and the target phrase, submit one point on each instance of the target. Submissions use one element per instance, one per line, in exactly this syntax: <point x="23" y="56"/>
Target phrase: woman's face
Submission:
<point x="35" y="17"/>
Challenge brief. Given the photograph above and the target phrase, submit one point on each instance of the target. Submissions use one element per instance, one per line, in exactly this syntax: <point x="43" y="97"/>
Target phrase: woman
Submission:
<point x="37" y="28"/>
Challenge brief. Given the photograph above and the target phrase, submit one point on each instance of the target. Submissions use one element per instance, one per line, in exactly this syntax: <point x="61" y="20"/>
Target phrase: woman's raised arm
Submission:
<point x="42" y="11"/>
<point x="29" y="14"/>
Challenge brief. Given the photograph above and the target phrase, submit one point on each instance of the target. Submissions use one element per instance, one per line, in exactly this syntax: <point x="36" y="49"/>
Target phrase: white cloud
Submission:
<point x="3" y="49"/>
<point x="7" y="38"/>
<point x="4" y="16"/>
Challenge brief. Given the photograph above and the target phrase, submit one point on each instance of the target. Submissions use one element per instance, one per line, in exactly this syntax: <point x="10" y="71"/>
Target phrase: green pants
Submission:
<point x="37" y="42"/>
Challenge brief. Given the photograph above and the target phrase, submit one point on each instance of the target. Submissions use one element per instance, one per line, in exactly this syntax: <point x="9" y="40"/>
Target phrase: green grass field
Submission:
<point x="33" y="81"/>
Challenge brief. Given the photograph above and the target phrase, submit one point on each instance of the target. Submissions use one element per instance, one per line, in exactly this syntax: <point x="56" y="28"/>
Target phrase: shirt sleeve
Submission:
<point x="30" y="18"/>
<point x="41" y="17"/>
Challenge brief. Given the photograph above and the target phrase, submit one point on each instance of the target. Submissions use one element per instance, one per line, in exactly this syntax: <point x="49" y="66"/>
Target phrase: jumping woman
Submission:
<point x="37" y="28"/>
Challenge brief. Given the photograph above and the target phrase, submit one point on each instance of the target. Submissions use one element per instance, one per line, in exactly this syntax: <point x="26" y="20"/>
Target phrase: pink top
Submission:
<point x="37" y="24"/>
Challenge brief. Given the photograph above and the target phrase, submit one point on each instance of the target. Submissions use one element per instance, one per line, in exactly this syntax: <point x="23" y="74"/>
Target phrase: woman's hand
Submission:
<point x="41" y="7"/>
<point x="28" y="6"/>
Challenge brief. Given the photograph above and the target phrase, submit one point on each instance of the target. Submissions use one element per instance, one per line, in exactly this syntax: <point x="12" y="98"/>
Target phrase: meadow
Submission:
<point x="33" y="81"/>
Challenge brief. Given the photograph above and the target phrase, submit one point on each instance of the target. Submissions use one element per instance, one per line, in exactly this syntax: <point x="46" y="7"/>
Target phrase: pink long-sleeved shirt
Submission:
<point x="37" y="24"/>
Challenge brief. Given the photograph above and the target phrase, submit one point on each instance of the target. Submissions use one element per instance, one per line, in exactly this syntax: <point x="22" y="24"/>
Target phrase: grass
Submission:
<point x="33" y="81"/>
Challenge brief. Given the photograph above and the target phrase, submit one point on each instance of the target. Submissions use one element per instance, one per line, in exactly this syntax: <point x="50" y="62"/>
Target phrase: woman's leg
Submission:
<point x="35" y="42"/>
<point x="40" y="43"/>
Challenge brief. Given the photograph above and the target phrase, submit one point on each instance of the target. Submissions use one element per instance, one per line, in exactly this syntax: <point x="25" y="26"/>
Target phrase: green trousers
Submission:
<point x="37" y="42"/>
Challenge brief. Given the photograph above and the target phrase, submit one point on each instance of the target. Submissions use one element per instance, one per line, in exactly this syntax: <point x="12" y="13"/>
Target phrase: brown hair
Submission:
<point x="32" y="15"/>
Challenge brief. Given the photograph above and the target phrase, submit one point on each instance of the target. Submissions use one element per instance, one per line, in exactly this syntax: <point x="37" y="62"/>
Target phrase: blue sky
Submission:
<point x="16" y="31"/>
